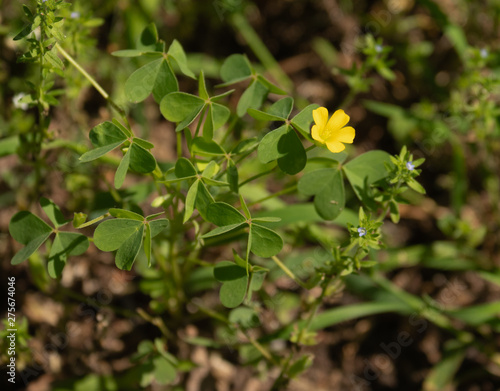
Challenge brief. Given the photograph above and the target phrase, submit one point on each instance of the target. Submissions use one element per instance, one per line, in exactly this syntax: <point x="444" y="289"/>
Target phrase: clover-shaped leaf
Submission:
<point x="183" y="108"/>
<point x="157" y="76"/>
<point x="283" y="144"/>
<point x="237" y="68"/>
<point x="198" y="195"/>
<point x="262" y="241"/>
<point x="108" y="136"/>
<point x="234" y="280"/>
<point x="30" y="230"/>
<point x="327" y="187"/>
<point x="124" y="235"/>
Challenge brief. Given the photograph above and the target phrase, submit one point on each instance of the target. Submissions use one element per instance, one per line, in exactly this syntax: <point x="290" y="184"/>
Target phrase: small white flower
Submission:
<point x="379" y="48"/>
<point x="18" y="105"/>
<point x="75" y="15"/>
<point x="483" y="53"/>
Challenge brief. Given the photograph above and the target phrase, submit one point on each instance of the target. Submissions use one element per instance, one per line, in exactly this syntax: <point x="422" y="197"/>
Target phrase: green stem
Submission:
<point x="92" y="81"/>
<point x="287" y="271"/>
<point x="279" y="193"/>
<point x="179" y="145"/>
<point x="256" y="176"/>
<point x="240" y="23"/>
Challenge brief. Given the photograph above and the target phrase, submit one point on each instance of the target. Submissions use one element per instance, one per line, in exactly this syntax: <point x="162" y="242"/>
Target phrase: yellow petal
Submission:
<point x="316" y="134"/>
<point x="338" y="120"/>
<point x="335" y="146"/>
<point x="346" y="135"/>
<point x="320" y="116"/>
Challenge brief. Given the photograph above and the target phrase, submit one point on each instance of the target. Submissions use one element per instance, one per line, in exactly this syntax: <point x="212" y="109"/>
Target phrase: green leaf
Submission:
<point x="164" y="371"/>
<point x="302" y="121"/>
<point x="111" y="234"/>
<point x="125" y="214"/>
<point x="177" y="52"/>
<point x="141" y="83"/>
<point x="141" y="160"/>
<point x="190" y="201"/>
<point x="165" y="82"/>
<point x="245" y="317"/>
<point x="53" y="212"/>
<point x="54" y="60"/>
<point x="228" y="271"/>
<point x="121" y="172"/>
<point x="220" y="115"/>
<point x="235" y="68"/>
<point x="282" y="108"/>
<point x="244" y="207"/>
<point x="300" y="365"/>
<point x="283" y="145"/>
<point x="223" y="230"/>
<point x="203" y="200"/>
<point x="157" y="226"/>
<point x="222" y="214"/>
<point x="181" y="107"/>
<point x="327" y="185"/>
<point x="443" y="374"/>
<point x="143" y="143"/>
<point x="279" y="111"/>
<point x="267" y="219"/>
<point x="262" y="116"/>
<point x="479" y="314"/>
<point x="270" y="86"/>
<point x="147" y="243"/>
<point x="149" y="36"/>
<point x="235" y="282"/>
<point x="265" y="242"/>
<point x="184" y="168"/>
<point x="416" y="186"/>
<point x="106" y="134"/>
<point x="210" y="170"/>
<point x="202" y="87"/>
<point x="64" y="245"/>
<point x="203" y="147"/>
<point x="122" y="127"/>
<point x="24" y="227"/>
<point x="252" y="98"/>
<point x="23" y="33"/>
<point x="364" y="171"/>
<point x="128" y="251"/>
<point x="268" y="147"/>
<point x="98" y="152"/>
<point x="129" y="53"/>
<point x="29" y="249"/>
<point x="232" y="176"/>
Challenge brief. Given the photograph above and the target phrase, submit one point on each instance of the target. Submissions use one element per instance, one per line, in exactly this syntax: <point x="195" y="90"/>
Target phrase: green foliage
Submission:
<point x="250" y="205"/>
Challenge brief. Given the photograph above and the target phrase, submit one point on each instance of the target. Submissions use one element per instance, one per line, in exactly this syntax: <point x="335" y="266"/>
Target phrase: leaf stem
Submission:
<point x="256" y="176"/>
<point x="277" y="194"/>
<point x="92" y="81"/>
<point x="287" y="271"/>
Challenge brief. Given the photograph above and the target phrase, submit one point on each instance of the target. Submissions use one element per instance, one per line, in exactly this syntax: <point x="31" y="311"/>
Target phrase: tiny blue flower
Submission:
<point x="410" y="166"/>
<point x="484" y="53"/>
<point x="379" y="48"/>
<point x="361" y="231"/>
<point x="75" y="15"/>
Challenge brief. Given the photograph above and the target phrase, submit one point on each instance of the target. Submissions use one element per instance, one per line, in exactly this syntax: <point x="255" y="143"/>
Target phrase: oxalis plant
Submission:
<point x="220" y="196"/>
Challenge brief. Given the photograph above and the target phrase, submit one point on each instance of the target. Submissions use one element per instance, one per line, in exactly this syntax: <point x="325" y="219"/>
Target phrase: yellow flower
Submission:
<point x="333" y="131"/>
